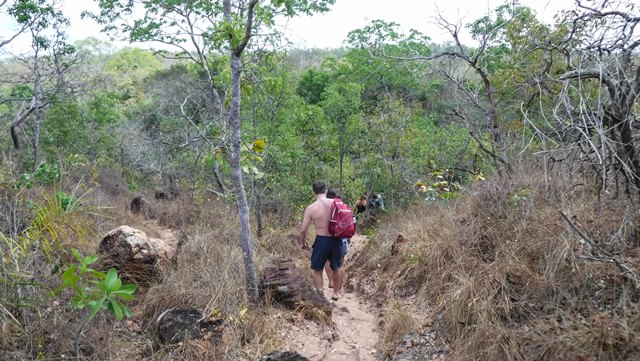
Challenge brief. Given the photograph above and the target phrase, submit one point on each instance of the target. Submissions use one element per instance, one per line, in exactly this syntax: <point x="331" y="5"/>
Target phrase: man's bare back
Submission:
<point x="318" y="213"/>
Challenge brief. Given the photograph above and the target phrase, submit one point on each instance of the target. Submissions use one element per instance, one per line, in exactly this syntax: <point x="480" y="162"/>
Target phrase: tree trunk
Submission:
<point x="236" y="175"/>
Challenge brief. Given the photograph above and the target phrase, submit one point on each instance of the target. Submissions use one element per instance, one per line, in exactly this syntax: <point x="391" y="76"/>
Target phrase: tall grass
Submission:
<point x="509" y="279"/>
<point x="31" y="259"/>
<point x="207" y="275"/>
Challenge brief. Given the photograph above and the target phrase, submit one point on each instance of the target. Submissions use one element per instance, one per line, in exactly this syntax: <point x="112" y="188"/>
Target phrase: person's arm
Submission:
<point x="304" y="228"/>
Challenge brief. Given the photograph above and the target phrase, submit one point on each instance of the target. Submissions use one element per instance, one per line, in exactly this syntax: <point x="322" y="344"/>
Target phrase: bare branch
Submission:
<point x="625" y="271"/>
<point x="583" y="74"/>
<point x="247" y="28"/>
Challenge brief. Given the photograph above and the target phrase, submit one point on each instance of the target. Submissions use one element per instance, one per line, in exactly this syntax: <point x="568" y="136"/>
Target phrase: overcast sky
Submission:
<point x="329" y="30"/>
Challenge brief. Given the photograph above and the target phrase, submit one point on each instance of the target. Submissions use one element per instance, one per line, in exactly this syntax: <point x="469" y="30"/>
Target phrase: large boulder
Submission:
<point x="136" y="255"/>
<point x="283" y="356"/>
<point x="178" y="324"/>
<point x="287" y="285"/>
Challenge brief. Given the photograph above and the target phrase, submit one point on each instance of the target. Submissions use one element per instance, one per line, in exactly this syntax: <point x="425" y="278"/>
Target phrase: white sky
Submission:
<point x="330" y="30"/>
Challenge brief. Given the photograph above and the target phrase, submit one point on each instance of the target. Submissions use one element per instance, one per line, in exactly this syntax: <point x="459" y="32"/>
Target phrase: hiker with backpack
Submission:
<point x="344" y="248"/>
<point x="325" y="247"/>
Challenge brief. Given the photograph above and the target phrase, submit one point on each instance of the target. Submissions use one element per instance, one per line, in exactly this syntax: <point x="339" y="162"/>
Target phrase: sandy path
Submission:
<point x="353" y="335"/>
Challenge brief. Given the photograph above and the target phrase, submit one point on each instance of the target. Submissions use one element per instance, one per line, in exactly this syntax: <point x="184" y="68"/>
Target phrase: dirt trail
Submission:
<point x="354" y="334"/>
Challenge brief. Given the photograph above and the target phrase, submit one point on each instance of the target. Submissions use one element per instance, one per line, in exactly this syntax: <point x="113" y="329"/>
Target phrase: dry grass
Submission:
<point x="208" y="275"/>
<point x="500" y="271"/>
<point x="509" y="279"/>
<point x="397" y="321"/>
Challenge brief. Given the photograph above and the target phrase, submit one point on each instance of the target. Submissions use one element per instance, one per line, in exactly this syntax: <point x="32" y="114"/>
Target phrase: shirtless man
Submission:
<point x="325" y="246"/>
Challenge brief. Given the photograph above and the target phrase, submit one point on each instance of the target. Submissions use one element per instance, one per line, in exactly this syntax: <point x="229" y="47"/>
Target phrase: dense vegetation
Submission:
<point x="510" y="164"/>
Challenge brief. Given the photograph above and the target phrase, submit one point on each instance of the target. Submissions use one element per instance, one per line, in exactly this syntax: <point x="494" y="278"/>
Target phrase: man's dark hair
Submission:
<point x="331" y="193"/>
<point x="319" y="187"/>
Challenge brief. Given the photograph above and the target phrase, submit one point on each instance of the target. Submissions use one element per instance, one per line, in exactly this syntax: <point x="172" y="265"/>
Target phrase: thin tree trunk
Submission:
<point x="236" y="175"/>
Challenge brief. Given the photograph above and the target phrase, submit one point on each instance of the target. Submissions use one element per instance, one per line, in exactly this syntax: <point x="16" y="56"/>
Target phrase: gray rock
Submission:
<point x="283" y="356"/>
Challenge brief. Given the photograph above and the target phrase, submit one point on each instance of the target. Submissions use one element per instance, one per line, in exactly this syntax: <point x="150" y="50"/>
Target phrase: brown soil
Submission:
<point x="353" y="335"/>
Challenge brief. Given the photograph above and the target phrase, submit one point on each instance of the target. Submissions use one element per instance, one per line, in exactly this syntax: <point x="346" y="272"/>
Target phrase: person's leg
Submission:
<point x="334" y="258"/>
<point x="319" y="255"/>
<point x="317" y="280"/>
<point x="337" y="283"/>
<point x="327" y="269"/>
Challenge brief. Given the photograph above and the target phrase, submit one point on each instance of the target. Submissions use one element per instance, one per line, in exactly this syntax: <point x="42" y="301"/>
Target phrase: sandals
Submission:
<point x="334" y="297"/>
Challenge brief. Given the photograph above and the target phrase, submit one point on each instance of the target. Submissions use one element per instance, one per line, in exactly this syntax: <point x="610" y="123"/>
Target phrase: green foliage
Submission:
<point x="342" y="101"/>
<point x="312" y="85"/>
<point x="44" y="175"/>
<point x="27" y="11"/>
<point x="165" y="21"/>
<point x="132" y="185"/>
<point x="64" y="130"/>
<point x="102" y="109"/>
<point x="128" y="67"/>
<point x="57" y="221"/>
<point x="373" y="64"/>
<point x="67" y="201"/>
<point x="23" y="91"/>
<point x="96" y="290"/>
<point x="133" y="63"/>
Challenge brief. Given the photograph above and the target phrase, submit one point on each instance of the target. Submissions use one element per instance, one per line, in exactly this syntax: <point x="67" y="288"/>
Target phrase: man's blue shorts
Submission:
<point x="326" y="248"/>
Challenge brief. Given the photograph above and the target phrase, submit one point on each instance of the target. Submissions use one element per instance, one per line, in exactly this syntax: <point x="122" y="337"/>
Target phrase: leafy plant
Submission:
<point x="251" y="156"/>
<point x="95" y="290"/>
<point x="45" y="175"/>
<point x="57" y="219"/>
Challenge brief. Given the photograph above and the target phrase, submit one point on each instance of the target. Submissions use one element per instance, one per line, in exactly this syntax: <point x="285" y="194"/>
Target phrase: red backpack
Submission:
<point x="341" y="222"/>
